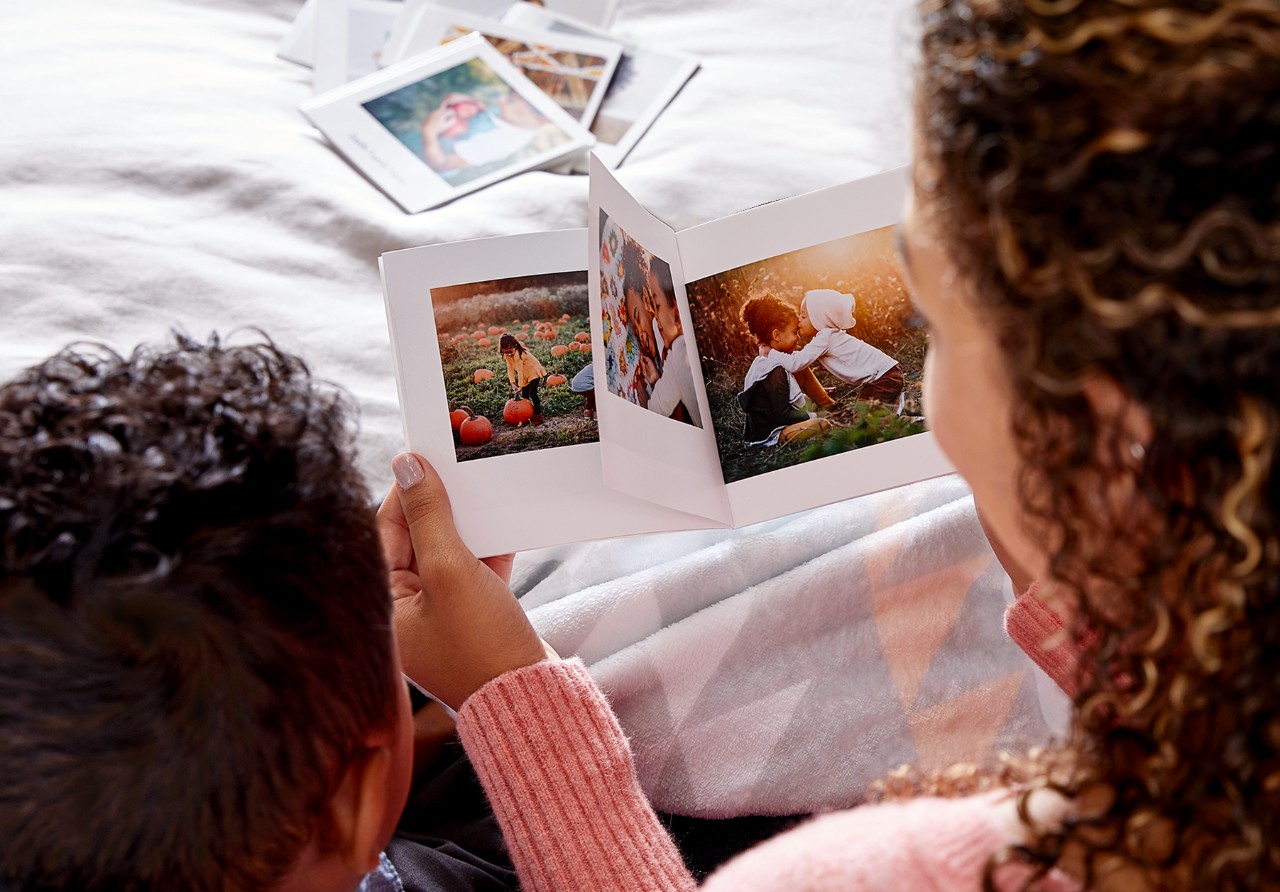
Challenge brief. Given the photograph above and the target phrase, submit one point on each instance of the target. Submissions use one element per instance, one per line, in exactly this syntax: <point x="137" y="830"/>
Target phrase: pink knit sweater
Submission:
<point x="559" y="774"/>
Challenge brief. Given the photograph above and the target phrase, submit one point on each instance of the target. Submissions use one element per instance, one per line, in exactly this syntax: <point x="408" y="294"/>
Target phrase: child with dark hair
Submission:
<point x="772" y="399"/>
<point x="524" y="371"/>
<point x="199" y="684"/>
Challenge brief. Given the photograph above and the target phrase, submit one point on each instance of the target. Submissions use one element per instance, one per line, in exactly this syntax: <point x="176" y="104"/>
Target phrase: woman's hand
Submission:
<point x="457" y="623"/>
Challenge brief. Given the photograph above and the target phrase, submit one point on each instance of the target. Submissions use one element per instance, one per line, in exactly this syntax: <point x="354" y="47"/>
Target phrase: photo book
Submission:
<point x="628" y="378"/>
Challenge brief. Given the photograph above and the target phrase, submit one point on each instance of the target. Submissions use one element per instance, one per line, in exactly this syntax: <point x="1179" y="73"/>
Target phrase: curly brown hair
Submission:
<point x="194" y="617"/>
<point x="1104" y="175"/>
<point x="765" y="314"/>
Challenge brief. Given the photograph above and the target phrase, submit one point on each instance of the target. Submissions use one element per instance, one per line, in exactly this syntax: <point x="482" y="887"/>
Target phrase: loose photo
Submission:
<point x="644" y="83"/>
<point x="516" y="359"/>
<point x="646" y="355"/>
<point x="572" y="70"/>
<point x="809" y="354"/>
<point x="445" y="123"/>
<point x="465" y="122"/>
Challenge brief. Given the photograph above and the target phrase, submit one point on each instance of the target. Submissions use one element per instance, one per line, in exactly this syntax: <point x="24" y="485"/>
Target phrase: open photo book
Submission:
<point x="628" y="378"/>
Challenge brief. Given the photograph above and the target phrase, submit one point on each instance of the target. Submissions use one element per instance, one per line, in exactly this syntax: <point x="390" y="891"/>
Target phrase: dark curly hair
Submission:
<point x="194" y="617"/>
<point x="1104" y="175"/>
<point x="765" y="314"/>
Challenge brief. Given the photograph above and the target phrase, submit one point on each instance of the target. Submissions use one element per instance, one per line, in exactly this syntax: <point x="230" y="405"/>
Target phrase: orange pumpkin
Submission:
<point x="574" y="346"/>
<point x="457" y="416"/>
<point x="517" y="411"/>
<point x="583" y="336"/>
<point x="496" y="329"/>
<point x="478" y="334"/>
<point x="564" y="318"/>
<point x="482" y="375"/>
<point x="585" y="348"/>
<point x="475" y="431"/>
<point x="524" y="327"/>
<point x="484" y="342"/>
<point x="559" y="350"/>
<point x="556" y="380"/>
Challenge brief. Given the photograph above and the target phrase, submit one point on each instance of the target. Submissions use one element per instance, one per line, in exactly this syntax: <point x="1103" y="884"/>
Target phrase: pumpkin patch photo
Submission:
<point x="516" y="359"/>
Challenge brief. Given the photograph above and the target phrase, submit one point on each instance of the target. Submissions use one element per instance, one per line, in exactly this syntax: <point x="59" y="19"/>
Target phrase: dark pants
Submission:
<point x="530" y="392"/>
<point x="885" y="388"/>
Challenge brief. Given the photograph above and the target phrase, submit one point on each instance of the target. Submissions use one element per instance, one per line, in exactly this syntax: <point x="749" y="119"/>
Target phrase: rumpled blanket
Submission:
<point x="780" y="668"/>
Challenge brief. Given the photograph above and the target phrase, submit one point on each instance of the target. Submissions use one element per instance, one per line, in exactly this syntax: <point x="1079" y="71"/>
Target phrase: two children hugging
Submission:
<point x="524" y="372"/>
<point x="777" y="383"/>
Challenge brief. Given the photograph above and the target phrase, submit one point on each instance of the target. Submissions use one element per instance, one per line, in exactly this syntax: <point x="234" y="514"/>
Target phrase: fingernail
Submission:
<point x="407" y="470"/>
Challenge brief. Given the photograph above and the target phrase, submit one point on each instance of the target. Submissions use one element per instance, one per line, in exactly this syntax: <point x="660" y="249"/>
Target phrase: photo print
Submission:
<point x="644" y="83"/>
<point x="465" y="122"/>
<point x="809" y="354"/>
<point x="445" y="123"/>
<point x="646" y="356"/>
<point x="572" y="70"/>
<point x="516" y="359"/>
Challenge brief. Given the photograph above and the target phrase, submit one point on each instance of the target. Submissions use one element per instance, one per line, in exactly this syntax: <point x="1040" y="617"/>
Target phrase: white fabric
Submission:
<point x="848" y="358"/>
<point x="828" y="308"/>
<point x="763" y="365"/>
<point x="156" y="174"/>
<point x="676" y="384"/>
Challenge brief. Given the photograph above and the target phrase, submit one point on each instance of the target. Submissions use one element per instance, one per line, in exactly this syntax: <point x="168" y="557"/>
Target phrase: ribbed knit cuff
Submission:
<point x="559" y="775"/>
<point x="1039" y="632"/>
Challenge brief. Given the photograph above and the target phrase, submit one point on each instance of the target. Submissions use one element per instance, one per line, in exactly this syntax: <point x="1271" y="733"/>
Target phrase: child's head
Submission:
<point x="825" y="308"/>
<point x="772" y="322"/>
<point x="195" y="634"/>
<point x="661" y="298"/>
<point x="509" y="344"/>
<point x="634" y="287"/>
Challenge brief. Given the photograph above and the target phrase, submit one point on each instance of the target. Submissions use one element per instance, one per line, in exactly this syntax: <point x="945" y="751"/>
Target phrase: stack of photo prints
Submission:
<point x="627" y="378"/>
<point x="432" y="101"/>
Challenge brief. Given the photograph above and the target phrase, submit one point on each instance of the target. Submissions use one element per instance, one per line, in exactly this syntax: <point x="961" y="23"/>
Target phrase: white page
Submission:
<point x="646" y="454"/>
<point x="299" y="43"/>
<point x="524" y="499"/>
<point x="350" y="38"/>
<point x="644" y="84"/>
<point x="587" y="61"/>
<point x="831" y="218"/>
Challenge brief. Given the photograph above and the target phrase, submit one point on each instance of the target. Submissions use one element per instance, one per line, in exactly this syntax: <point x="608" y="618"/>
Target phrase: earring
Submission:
<point x="1137" y="450"/>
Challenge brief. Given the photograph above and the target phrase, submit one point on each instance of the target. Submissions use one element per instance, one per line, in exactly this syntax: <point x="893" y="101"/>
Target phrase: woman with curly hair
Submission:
<point x="1094" y="240"/>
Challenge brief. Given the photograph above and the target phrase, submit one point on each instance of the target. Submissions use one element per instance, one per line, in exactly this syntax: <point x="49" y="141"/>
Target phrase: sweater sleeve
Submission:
<point x="559" y="775"/>
<point x="1039" y="631"/>
<point x="922" y="845"/>
<point x="806" y="355"/>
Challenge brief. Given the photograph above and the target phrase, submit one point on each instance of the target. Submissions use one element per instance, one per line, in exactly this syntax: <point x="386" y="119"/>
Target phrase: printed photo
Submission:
<point x="465" y="122"/>
<point x="516" y="357"/>
<point x="569" y="78"/>
<point x="572" y="70"/>
<point x="809" y="354"/>
<point x="646" y="354"/>
<point x="644" y="83"/>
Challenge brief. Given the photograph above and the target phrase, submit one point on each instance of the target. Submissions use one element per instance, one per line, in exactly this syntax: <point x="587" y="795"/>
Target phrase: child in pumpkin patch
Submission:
<point x="524" y="372"/>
